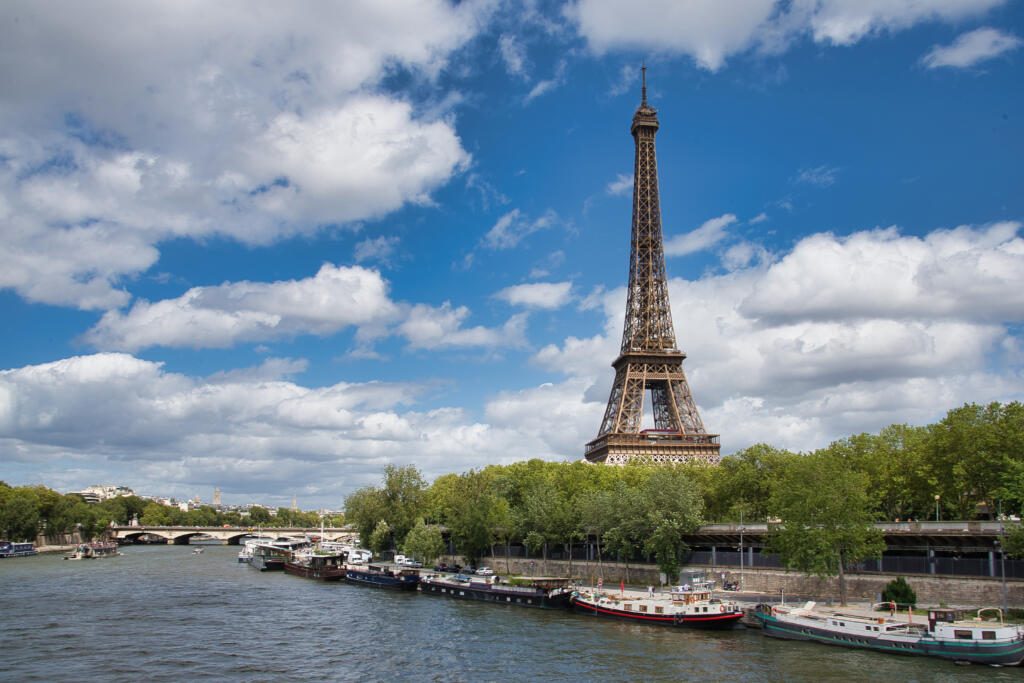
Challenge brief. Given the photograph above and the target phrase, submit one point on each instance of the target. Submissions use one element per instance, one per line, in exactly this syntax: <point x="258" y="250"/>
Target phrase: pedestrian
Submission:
<point x="650" y="591"/>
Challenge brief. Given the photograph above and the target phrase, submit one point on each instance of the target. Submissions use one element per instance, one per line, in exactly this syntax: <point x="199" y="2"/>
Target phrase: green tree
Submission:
<point x="365" y="507"/>
<point x="424" y="542"/>
<point x="380" y="538"/>
<point x="259" y="515"/>
<point x="826" y="518"/>
<point x="19" y="516"/>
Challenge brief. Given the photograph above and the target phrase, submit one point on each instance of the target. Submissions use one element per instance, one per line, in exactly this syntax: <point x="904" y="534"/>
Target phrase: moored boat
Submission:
<point x="946" y="634"/>
<point x="686" y="606"/>
<point x="547" y="592"/>
<point x="325" y="566"/>
<point x="383" y="576"/>
<point x="93" y="551"/>
<point x="15" y="549"/>
<point x="271" y="556"/>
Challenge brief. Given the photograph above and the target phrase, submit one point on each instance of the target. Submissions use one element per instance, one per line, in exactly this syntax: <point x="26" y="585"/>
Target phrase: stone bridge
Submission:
<point x="228" y="535"/>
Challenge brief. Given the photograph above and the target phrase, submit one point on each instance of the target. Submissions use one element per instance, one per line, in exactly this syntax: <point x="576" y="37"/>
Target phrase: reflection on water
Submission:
<point x="162" y="613"/>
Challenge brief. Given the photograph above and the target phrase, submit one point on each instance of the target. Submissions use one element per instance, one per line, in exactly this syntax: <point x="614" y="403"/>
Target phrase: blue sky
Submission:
<point x="271" y="251"/>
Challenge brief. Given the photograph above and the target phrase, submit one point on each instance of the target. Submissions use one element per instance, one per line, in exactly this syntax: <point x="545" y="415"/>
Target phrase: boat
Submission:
<point x="946" y="634"/>
<point x="93" y="551"/>
<point x="271" y="556"/>
<point x="689" y="605"/>
<point x="15" y="549"/>
<point x="245" y="554"/>
<point x="197" y="551"/>
<point x="383" y="576"/>
<point x="540" y="591"/>
<point x="317" y="564"/>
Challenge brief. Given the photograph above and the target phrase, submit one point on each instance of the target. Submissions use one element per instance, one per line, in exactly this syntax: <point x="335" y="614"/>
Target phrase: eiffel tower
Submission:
<point x="649" y="359"/>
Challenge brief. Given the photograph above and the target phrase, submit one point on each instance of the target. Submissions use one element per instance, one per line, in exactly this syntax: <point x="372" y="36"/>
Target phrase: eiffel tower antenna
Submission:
<point x="649" y="362"/>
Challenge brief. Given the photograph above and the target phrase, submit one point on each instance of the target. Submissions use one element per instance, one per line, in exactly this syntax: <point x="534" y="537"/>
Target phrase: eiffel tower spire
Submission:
<point x="649" y="361"/>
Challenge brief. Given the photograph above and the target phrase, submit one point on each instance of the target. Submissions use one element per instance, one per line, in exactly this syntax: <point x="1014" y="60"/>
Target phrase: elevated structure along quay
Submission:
<point x="180" y="535"/>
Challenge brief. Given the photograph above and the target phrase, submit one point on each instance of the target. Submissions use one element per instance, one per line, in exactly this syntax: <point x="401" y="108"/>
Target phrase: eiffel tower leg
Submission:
<point x="686" y="408"/>
<point x="611" y="413"/>
<point x="631" y="415"/>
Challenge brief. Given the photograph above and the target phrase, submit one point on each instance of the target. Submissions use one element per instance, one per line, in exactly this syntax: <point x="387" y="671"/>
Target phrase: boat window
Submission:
<point x="643" y="608"/>
<point x="988" y="635"/>
<point x="963" y="634"/>
<point x="659" y="609"/>
<point x="628" y="608"/>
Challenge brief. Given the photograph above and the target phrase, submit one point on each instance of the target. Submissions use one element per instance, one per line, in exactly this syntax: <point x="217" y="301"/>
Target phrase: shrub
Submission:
<point x="900" y="592"/>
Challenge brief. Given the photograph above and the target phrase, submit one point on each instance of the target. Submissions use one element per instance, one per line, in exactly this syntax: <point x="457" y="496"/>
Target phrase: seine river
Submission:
<point x="161" y="613"/>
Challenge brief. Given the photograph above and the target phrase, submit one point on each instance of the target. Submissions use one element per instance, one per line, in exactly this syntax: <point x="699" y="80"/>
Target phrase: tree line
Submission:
<point x="821" y="505"/>
<point x="26" y="511"/>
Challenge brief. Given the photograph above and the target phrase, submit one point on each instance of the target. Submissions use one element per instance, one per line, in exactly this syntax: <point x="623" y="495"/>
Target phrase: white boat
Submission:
<point x="245" y="554"/>
<point x="983" y="639"/>
<point x="691" y="605"/>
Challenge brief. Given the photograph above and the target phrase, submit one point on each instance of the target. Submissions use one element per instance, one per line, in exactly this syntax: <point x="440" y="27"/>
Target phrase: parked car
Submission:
<point x="485" y="571"/>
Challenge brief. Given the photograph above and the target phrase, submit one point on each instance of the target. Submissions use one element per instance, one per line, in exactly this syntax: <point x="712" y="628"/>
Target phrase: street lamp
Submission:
<point x="741" y="550"/>
<point x="1002" y="571"/>
<point x="937" y="507"/>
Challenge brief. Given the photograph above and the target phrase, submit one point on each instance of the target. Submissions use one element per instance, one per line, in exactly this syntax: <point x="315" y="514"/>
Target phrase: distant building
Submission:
<point x="98" y="494"/>
<point x="216" y="497"/>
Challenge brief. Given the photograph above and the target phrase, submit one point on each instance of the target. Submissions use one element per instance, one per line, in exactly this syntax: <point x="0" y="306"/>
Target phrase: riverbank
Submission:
<point x="775" y="584"/>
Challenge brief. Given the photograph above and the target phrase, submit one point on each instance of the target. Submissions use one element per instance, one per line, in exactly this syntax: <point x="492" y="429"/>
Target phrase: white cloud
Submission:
<point x="838" y="336"/>
<point x="513" y="54"/>
<point x="225" y="315"/>
<point x="622" y="185"/>
<point x="971" y="48"/>
<point x="759" y="218"/>
<point x="819" y="176"/>
<point x="710" y="31"/>
<point x="194" y="121"/>
<point x="113" y="416"/>
<point x="376" y="249"/>
<point x="710" y="233"/>
<point x="546" y="295"/>
<point x="430" y="327"/>
<point x="514" y="227"/>
<point x="547" y="85"/>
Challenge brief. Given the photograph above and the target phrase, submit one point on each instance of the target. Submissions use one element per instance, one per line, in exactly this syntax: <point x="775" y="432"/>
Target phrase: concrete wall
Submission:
<point x="930" y="590"/>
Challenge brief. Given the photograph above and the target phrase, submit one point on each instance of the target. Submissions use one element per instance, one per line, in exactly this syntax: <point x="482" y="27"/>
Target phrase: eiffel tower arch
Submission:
<point x="649" y="364"/>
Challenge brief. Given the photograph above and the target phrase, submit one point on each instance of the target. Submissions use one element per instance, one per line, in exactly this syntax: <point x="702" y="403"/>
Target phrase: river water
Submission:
<point x="162" y="613"/>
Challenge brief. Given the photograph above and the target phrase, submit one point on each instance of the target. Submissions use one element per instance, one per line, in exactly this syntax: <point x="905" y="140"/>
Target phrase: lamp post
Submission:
<point x="1002" y="571"/>
<point x="937" y="496"/>
<point x="741" y="549"/>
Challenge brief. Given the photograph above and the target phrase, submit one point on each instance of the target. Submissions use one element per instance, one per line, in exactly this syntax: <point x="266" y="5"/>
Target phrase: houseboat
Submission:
<point x="541" y="591"/>
<point x="383" y="576"/>
<point x="271" y="556"/>
<point x="317" y="564"/>
<point x="686" y="605"/>
<point x="983" y="639"/>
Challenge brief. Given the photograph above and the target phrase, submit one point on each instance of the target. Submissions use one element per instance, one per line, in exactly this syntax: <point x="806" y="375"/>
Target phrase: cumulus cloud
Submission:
<point x="971" y="48"/>
<point x="179" y="435"/>
<point x="838" y="336"/>
<point x="710" y="31"/>
<point x="438" y="327"/>
<point x="228" y="314"/>
<point x="190" y="122"/>
<point x="546" y="295"/>
<point x="710" y="233"/>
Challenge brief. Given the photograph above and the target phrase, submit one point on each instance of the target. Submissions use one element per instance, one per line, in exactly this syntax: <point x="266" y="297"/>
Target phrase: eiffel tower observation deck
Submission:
<point x="649" y="366"/>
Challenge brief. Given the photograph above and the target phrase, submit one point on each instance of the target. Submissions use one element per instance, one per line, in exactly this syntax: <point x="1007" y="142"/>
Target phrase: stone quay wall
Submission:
<point x="774" y="583"/>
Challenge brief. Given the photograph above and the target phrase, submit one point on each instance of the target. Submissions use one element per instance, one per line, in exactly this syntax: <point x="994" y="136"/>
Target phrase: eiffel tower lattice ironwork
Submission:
<point x="649" y="360"/>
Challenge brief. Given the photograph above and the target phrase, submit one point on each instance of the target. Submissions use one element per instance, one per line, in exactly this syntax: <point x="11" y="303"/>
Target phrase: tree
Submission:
<point x="424" y="542"/>
<point x="674" y="507"/>
<point x="259" y="515"/>
<point x="380" y="538"/>
<point x="826" y="518"/>
<point x="19" y="516"/>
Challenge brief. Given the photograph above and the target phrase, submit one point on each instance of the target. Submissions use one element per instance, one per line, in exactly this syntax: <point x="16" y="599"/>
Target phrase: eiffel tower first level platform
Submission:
<point x="649" y="366"/>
